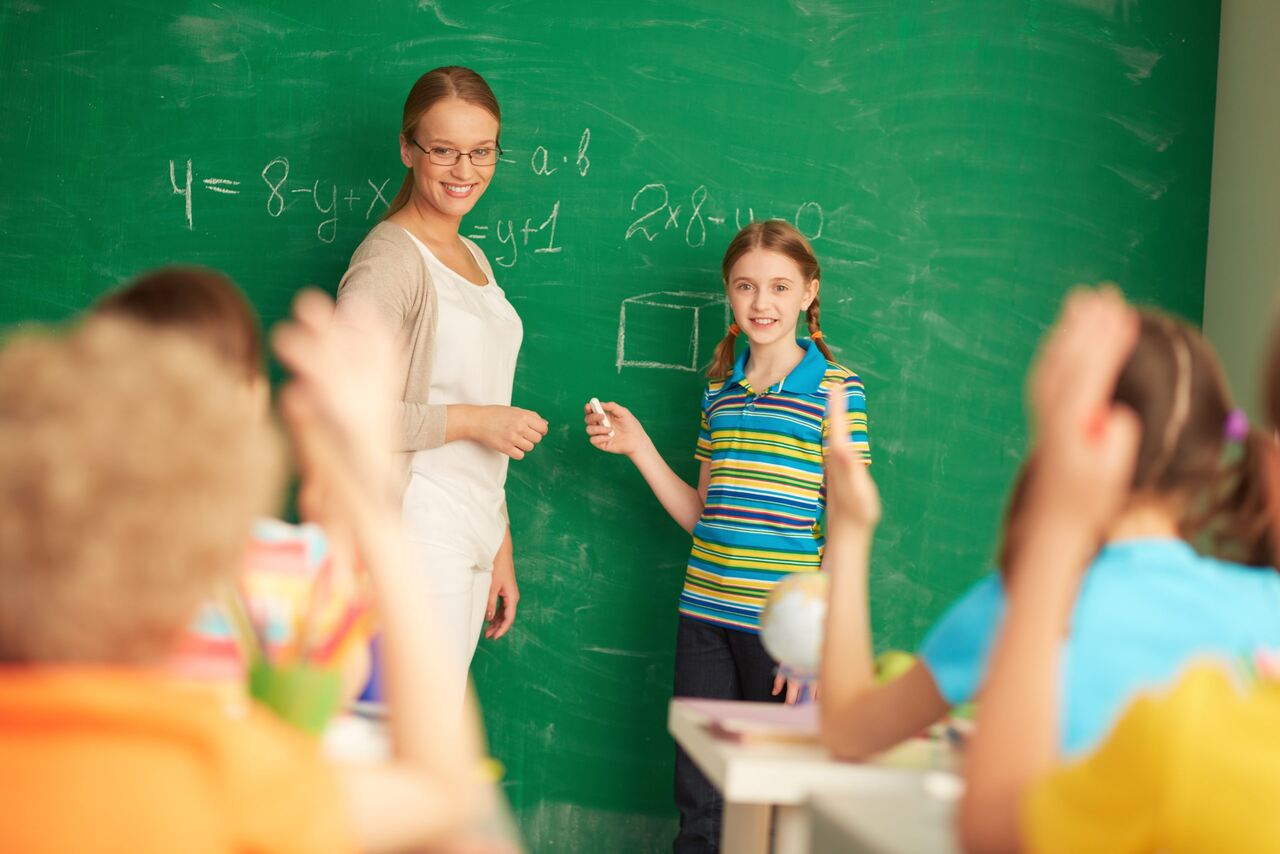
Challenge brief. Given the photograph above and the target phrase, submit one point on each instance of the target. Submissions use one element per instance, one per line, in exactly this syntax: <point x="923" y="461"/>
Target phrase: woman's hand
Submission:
<point x="624" y="435"/>
<point x="504" y="587"/>
<point x="508" y="430"/>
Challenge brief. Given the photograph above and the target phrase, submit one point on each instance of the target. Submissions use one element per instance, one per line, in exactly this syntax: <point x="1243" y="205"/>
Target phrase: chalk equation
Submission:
<point x="541" y="158"/>
<point x="280" y="191"/>
<point x="660" y="212"/>
<point x="515" y="238"/>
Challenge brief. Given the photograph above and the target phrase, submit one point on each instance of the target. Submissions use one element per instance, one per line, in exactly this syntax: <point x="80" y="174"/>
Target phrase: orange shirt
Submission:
<point x="103" y="760"/>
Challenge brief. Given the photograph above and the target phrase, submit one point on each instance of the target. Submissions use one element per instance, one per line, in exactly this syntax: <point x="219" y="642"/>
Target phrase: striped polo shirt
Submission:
<point x="766" y="494"/>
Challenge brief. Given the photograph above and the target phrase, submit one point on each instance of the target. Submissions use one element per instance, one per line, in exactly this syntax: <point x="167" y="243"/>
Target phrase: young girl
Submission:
<point x="754" y="515"/>
<point x="1193" y="770"/>
<point x="1149" y="604"/>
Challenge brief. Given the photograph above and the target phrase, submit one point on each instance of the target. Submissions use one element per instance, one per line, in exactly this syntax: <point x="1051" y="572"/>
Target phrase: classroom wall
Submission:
<point x="1242" y="278"/>
<point x="959" y="164"/>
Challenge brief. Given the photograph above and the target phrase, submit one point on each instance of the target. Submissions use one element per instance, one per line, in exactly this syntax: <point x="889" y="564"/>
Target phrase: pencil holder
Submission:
<point x="303" y="696"/>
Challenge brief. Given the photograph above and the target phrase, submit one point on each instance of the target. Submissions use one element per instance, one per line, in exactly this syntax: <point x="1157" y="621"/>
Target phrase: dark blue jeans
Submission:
<point x="720" y="664"/>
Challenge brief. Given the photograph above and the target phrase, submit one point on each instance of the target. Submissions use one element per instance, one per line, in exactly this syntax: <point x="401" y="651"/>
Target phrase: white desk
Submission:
<point x="916" y="819"/>
<point x="767" y="785"/>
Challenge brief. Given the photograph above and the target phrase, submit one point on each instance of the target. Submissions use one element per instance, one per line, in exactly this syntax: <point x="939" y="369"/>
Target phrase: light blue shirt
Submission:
<point x="1146" y="608"/>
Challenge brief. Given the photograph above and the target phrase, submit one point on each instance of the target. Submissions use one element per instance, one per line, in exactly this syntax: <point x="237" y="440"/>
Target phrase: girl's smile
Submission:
<point x="768" y="293"/>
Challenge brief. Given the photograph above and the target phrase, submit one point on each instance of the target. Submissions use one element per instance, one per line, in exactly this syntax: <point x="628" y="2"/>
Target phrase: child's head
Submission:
<point x="771" y="276"/>
<point x="1174" y="383"/>
<point x="1190" y="432"/>
<point x="128" y="485"/>
<point x="200" y="302"/>
<point x="203" y="304"/>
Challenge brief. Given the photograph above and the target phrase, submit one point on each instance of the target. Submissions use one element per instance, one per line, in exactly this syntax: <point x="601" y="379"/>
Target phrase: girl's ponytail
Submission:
<point x="722" y="361"/>
<point x="1196" y="445"/>
<point x="1237" y="523"/>
<point x="811" y="316"/>
<point x="1271" y="460"/>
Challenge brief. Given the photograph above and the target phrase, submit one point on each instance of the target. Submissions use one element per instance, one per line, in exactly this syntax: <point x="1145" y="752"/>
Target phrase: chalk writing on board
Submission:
<point x="185" y="192"/>
<point x="660" y="212"/>
<point x="517" y="238"/>
<point x="675" y="330"/>
<point x="282" y="192"/>
<point x="324" y="195"/>
<point x="541" y="158"/>
<point x="222" y="185"/>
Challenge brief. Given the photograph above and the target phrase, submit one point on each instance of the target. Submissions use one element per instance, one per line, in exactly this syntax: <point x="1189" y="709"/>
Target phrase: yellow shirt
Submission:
<point x="1194" y="770"/>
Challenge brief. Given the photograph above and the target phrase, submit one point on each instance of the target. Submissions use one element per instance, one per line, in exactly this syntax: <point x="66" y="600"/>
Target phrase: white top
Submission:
<point x="456" y="491"/>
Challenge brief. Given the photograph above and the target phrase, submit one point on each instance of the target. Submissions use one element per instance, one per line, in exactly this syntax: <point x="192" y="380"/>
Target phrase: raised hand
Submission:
<point x="337" y="400"/>
<point x="853" y="501"/>
<point x="1086" y="447"/>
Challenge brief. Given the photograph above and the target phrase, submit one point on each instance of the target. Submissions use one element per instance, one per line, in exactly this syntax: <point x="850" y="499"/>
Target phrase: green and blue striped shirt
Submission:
<point x="766" y="493"/>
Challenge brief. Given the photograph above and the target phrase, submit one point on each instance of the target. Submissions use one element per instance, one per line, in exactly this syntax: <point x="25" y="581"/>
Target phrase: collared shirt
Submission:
<point x="766" y="493"/>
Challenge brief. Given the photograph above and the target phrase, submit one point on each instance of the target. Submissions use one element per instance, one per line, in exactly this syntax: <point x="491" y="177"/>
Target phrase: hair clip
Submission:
<point x="815" y="334"/>
<point x="734" y="329"/>
<point x="1236" y="427"/>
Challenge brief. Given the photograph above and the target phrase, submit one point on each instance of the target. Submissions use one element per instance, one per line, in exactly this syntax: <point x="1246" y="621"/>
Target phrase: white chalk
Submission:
<point x="599" y="410"/>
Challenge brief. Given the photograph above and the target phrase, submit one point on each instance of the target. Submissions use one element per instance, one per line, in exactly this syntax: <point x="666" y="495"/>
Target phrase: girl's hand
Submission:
<point x="1086" y="447"/>
<point x="793" y="687"/>
<point x="628" y="435"/>
<point x="508" y="430"/>
<point x="336" y="406"/>
<point x="853" y="501"/>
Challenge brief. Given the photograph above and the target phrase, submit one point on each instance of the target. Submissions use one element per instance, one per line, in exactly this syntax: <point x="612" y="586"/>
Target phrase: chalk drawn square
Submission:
<point x="675" y="330"/>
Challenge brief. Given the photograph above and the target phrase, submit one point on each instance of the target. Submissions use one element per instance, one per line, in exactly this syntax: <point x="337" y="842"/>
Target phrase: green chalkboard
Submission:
<point x="957" y="164"/>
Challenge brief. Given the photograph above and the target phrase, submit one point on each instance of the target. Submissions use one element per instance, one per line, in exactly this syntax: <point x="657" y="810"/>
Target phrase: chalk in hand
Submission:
<point x="599" y="410"/>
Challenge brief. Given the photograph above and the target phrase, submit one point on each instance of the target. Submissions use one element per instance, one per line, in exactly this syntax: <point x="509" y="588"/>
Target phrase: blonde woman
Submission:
<point x="457" y="428"/>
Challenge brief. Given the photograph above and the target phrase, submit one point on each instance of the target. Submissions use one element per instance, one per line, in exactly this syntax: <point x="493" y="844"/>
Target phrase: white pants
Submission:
<point x="459" y="593"/>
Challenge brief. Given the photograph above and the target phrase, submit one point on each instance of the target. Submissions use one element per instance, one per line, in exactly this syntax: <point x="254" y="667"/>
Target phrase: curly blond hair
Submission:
<point x="130" y="475"/>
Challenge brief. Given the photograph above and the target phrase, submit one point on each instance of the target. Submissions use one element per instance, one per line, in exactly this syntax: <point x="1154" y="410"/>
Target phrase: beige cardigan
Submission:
<point x="388" y="271"/>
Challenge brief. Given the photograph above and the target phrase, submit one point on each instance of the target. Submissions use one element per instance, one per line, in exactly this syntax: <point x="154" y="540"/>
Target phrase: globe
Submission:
<point x="791" y="624"/>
